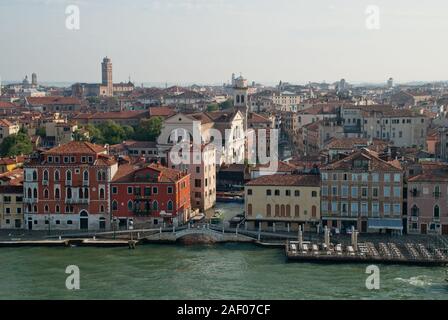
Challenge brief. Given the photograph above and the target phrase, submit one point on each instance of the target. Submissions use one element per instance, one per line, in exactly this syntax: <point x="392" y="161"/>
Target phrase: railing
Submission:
<point x="79" y="201"/>
<point x="30" y="200"/>
<point x="139" y="212"/>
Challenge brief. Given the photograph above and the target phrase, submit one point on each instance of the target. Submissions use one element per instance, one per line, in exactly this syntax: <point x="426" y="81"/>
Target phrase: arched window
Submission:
<point x="297" y="210"/>
<point x="35" y="193"/>
<point x="268" y="210"/>
<point x="282" y="210"/>
<point x="86" y="193"/>
<point x="56" y="175"/>
<point x="35" y="208"/>
<point x="81" y="193"/>
<point x="98" y="175"/>
<point x="102" y="193"/>
<point x="436" y="211"/>
<point x="155" y="205"/>
<point x="29" y="208"/>
<point x="114" y="205"/>
<point x="169" y="206"/>
<point x="45" y="175"/>
<point x="288" y="210"/>
<point x="277" y="210"/>
<point x="242" y="98"/>
<point x="101" y="208"/>
<point x="313" y="211"/>
<point x="103" y="175"/>
<point x="57" y="209"/>
<point x="414" y="211"/>
<point x="46" y="195"/>
<point x="29" y="193"/>
<point x="69" y="193"/>
<point x="57" y="193"/>
<point x="237" y="98"/>
<point x="46" y="208"/>
<point x="85" y="175"/>
<point x="68" y="175"/>
<point x="130" y="205"/>
<point x="34" y="176"/>
<point x="249" y="209"/>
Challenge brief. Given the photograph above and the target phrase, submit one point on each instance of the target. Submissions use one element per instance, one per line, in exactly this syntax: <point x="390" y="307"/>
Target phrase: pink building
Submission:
<point x="428" y="200"/>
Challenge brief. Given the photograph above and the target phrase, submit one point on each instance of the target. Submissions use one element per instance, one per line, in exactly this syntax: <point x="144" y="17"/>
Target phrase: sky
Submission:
<point x="204" y="41"/>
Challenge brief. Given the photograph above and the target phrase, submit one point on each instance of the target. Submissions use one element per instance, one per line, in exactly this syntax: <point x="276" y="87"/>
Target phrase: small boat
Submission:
<point x="217" y="218"/>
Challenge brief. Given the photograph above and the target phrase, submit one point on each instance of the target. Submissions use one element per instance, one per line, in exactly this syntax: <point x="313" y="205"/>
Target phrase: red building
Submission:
<point x="150" y="195"/>
<point x="67" y="188"/>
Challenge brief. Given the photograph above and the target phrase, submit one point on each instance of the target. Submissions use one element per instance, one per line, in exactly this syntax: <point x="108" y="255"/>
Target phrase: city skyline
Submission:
<point x="267" y="41"/>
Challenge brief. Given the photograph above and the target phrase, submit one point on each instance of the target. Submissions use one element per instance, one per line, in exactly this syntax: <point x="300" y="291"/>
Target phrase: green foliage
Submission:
<point x="212" y="107"/>
<point x="41" y="132"/>
<point x="148" y="129"/>
<point x="93" y="100"/>
<point x="226" y="104"/>
<point x="16" y="144"/>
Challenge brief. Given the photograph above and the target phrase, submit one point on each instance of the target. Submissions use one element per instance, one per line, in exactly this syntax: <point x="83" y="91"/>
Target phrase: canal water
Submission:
<point x="229" y="271"/>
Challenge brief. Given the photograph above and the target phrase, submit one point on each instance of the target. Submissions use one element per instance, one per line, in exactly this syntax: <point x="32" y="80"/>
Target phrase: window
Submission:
<point x="386" y="177"/>
<point x="46" y="194"/>
<point x="170" y="190"/>
<point x="364" y="177"/>
<point x="288" y="193"/>
<point x="375" y="209"/>
<point x="69" y="193"/>
<point x="397" y="177"/>
<point x="324" y="176"/>
<point x="198" y="169"/>
<point x="130" y="190"/>
<point x="354" y="192"/>
<point x="397" y="192"/>
<point x="249" y="192"/>
<point x="268" y="210"/>
<point x="68" y="175"/>
<point x="169" y="206"/>
<point x="114" y="205"/>
<point x="154" y="190"/>
<point x="375" y="192"/>
<point x="436" y="212"/>
<point x="334" y="190"/>
<point x="130" y="205"/>
<point x="313" y="194"/>
<point x="85" y="176"/>
<point x="386" y="192"/>
<point x="102" y="194"/>
<point x="57" y="209"/>
<point x="334" y="206"/>
<point x="114" y="190"/>
<point x="277" y="192"/>
<point x="56" y="175"/>
<point x="69" y="222"/>
<point x="324" y="206"/>
<point x="297" y="210"/>
<point x="34" y="176"/>
<point x="386" y="209"/>
<point x="268" y="192"/>
<point x="155" y="205"/>
<point x="397" y="208"/>
<point x="66" y="159"/>
<point x="324" y="191"/>
<point x="45" y="175"/>
<point x="364" y="209"/>
<point x="364" y="192"/>
<point x="344" y="191"/>
<point x="375" y="177"/>
<point x="354" y="209"/>
<point x="197" y="183"/>
<point x="83" y="159"/>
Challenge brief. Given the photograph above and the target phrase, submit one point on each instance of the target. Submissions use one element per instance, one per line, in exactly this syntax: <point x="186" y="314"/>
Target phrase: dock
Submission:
<point x="81" y="242"/>
<point x="365" y="252"/>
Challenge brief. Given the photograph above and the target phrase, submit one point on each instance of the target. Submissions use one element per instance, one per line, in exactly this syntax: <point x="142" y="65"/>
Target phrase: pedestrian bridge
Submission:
<point x="204" y="233"/>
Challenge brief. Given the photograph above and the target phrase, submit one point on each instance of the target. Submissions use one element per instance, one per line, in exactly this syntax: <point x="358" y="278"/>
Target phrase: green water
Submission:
<point x="230" y="271"/>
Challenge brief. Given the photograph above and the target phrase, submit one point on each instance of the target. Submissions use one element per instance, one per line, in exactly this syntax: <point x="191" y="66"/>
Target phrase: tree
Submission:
<point x="148" y="129"/>
<point x="41" y="132"/>
<point x="112" y="132"/>
<point x="95" y="134"/>
<point x="226" y="104"/>
<point x="128" y="132"/>
<point x="212" y="107"/>
<point x="16" y="144"/>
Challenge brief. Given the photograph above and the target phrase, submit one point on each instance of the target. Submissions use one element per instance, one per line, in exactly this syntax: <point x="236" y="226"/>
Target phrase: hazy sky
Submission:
<point x="204" y="41"/>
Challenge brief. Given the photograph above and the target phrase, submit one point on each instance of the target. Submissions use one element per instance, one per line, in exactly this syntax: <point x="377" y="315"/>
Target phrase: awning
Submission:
<point x="395" y="224"/>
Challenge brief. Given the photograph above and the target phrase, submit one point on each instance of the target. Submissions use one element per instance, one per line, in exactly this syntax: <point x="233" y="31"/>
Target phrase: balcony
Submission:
<point x="142" y="197"/>
<point x="77" y="201"/>
<point x="68" y="183"/>
<point x="142" y="212"/>
<point x="30" y="200"/>
<point x="45" y="182"/>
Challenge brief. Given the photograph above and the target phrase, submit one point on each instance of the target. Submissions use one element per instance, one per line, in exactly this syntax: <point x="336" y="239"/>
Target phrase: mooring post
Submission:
<point x="236" y="230"/>
<point x="174" y="228"/>
<point x="259" y="231"/>
<point x="160" y="230"/>
<point x="288" y="227"/>
<point x="273" y="227"/>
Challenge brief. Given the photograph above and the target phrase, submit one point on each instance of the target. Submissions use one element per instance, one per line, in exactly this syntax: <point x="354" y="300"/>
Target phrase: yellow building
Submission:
<point x="7" y="128"/>
<point x="283" y="202"/>
<point x="11" y="207"/>
<point x="11" y="163"/>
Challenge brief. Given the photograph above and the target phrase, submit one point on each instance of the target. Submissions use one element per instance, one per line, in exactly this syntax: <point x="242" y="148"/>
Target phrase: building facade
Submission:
<point x="11" y="207"/>
<point x="364" y="192"/>
<point x="283" y="202"/>
<point x="67" y="188"/>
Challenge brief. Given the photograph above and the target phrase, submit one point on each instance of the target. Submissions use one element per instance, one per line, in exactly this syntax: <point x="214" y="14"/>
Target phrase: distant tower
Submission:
<point x="106" y="72"/>
<point x="34" y="80"/>
<point x="390" y="83"/>
<point x="342" y="85"/>
<point x="233" y="79"/>
<point x="240" y="102"/>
